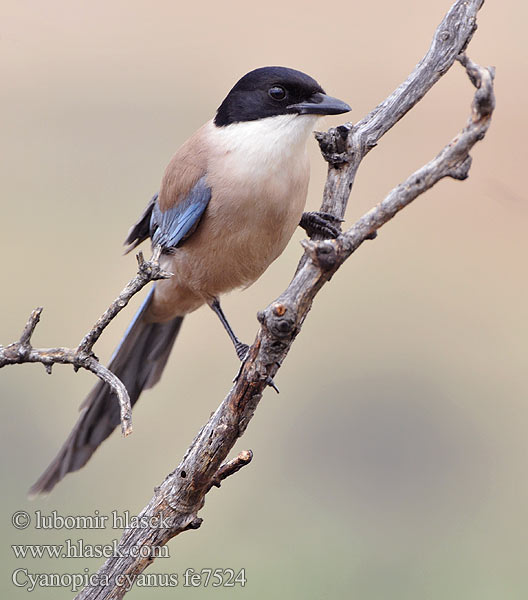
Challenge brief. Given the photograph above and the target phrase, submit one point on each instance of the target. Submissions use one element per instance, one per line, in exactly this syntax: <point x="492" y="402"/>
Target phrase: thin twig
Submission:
<point x="231" y="467"/>
<point x="147" y="271"/>
<point x="82" y="357"/>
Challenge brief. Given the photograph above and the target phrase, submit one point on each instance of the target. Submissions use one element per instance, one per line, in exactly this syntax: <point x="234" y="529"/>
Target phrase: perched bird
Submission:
<point x="229" y="202"/>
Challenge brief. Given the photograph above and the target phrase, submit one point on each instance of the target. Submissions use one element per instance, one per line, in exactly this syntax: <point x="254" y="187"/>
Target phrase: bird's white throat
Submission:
<point x="264" y="145"/>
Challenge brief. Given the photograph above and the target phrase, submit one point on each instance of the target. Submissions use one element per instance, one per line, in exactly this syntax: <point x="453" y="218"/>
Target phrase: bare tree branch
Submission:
<point x="177" y="501"/>
<point x="83" y="357"/>
<point x="453" y="161"/>
<point x="231" y="467"/>
<point x="344" y="147"/>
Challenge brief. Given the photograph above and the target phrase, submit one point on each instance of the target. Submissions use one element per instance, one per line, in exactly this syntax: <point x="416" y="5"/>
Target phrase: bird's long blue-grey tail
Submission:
<point x="138" y="361"/>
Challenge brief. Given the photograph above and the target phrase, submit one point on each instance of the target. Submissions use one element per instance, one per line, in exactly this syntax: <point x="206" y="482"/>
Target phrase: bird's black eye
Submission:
<point x="277" y="92"/>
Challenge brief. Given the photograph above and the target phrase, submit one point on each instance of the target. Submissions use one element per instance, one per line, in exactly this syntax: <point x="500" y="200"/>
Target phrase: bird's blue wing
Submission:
<point x="171" y="227"/>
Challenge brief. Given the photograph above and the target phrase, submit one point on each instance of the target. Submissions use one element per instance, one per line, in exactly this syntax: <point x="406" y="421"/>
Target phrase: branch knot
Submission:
<point x="280" y="320"/>
<point x="322" y="253"/>
<point x="334" y="145"/>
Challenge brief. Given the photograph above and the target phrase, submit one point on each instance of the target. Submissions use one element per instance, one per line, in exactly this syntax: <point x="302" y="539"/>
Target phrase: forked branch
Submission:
<point x="180" y="497"/>
<point x="82" y="357"/>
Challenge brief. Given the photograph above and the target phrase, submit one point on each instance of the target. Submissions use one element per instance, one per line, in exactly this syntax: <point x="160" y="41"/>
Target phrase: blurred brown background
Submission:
<point x="393" y="464"/>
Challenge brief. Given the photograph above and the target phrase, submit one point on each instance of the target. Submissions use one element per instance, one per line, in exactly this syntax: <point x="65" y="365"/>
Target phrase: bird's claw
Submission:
<point x="242" y="351"/>
<point x="271" y="383"/>
<point x="321" y="223"/>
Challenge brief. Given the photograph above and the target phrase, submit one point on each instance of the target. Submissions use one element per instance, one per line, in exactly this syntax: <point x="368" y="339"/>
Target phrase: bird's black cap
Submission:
<point x="272" y="91"/>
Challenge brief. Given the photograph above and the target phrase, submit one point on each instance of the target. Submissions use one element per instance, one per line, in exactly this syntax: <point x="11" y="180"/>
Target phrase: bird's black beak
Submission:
<point x="320" y="104"/>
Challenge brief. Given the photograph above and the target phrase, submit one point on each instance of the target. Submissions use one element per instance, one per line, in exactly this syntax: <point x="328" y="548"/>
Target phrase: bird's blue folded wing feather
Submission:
<point x="170" y="227"/>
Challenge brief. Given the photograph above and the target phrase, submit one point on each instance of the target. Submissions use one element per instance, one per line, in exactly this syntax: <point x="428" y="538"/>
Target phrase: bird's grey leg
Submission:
<point x="240" y="348"/>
